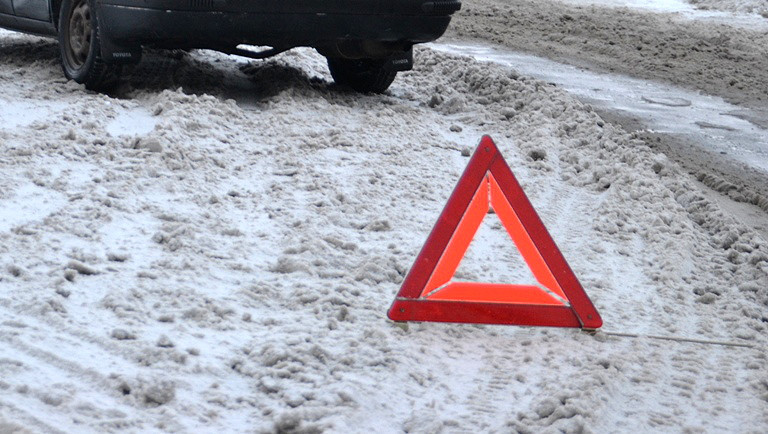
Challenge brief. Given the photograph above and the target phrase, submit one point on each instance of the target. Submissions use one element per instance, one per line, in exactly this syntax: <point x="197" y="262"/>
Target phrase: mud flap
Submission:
<point x="118" y="54"/>
<point x="402" y="61"/>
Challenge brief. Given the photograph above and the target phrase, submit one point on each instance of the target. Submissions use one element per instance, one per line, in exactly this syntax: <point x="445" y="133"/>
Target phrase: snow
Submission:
<point x="735" y="12"/>
<point x="23" y="113"/>
<point x="746" y="14"/>
<point x="703" y="119"/>
<point x="651" y="5"/>
<point x="136" y="121"/>
<point x="29" y="202"/>
<point x="214" y="246"/>
<point x="492" y="240"/>
<point x="741" y="6"/>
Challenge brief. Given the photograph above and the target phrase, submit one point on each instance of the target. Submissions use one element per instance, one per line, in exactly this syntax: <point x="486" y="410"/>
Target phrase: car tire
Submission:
<point x="362" y="75"/>
<point x="80" y="46"/>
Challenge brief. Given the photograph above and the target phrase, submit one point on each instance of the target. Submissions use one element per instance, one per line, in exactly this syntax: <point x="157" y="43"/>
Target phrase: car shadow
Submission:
<point x="270" y="78"/>
<point x="205" y="72"/>
<point x="249" y="83"/>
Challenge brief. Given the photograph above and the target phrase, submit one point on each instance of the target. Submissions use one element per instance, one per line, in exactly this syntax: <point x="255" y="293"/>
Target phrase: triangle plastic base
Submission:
<point x="483" y="313"/>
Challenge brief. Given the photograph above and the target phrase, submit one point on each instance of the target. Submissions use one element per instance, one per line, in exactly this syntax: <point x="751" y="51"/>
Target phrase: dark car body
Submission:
<point x="352" y="29"/>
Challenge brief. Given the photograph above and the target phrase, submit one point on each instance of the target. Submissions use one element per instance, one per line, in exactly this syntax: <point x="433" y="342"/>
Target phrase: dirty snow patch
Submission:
<point x="707" y="120"/>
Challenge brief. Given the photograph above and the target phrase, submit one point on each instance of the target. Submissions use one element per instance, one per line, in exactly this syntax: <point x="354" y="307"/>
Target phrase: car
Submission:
<point x="366" y="42"/>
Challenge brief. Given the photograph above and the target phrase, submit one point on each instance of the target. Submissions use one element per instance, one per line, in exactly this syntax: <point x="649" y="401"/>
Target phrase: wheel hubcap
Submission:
<point x="79" y="33"/>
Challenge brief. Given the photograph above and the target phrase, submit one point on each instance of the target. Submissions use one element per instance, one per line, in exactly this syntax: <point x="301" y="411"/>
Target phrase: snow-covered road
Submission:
<point x="640" y="64"/>
<point x="708" y="121"/>
<point x="214" y="248"/>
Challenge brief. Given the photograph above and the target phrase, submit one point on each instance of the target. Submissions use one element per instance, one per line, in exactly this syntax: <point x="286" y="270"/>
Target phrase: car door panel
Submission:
<point x="6" y="7"/>
<point x="34" y="9"/>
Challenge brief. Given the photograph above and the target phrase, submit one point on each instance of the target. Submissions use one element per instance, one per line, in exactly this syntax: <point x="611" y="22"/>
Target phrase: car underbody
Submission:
<point x="365" y="41"/>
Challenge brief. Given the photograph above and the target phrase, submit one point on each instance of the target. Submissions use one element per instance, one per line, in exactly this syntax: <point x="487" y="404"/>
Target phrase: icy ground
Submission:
<point x="691" y="83"/>
<point x="214" y="248"/>
<point x="706" y="120"/>
<point x="694" y="9"/>
<point x="726" y="57"/>
<point x="741" y="6"/>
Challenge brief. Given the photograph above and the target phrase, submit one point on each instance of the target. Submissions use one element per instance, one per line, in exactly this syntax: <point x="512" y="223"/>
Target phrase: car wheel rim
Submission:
<point x="79" y="34"/>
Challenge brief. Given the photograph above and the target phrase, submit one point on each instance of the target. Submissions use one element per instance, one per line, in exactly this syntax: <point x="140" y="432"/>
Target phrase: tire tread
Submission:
<point x="362" y="75"/>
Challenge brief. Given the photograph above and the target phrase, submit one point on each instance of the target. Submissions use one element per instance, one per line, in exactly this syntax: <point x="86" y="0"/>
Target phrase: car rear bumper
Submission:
<point x="278" y="23"/>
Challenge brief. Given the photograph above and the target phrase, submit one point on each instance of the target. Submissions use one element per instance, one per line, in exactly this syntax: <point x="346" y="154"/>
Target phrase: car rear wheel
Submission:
<point x="81" y="48"/>
<point x="362" y="75"/>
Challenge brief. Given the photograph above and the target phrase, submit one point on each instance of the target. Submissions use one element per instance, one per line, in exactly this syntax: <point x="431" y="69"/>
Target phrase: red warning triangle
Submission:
<point x="428" y="292"/>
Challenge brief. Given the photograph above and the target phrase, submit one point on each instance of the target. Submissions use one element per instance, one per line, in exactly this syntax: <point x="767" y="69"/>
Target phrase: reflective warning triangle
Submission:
<point x="428" y="292"/>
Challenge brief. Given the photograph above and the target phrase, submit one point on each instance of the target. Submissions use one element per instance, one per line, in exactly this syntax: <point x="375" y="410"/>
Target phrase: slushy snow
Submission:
<point x="230" y="268"/>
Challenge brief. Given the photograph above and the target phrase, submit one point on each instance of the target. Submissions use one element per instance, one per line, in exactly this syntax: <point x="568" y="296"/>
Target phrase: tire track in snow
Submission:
<point x="51" y="368"/>
<point x="91" y="394"/>
<point x="493" y="383"/>
<point x="28" y="420"/>
<point x="54" y="368"/>
<point x="53" y="360"/>
<point x="63" y="333"/>
<point x="651" y="395"/>
<point x="559" y="206"/>
<point x="503" y="386"/>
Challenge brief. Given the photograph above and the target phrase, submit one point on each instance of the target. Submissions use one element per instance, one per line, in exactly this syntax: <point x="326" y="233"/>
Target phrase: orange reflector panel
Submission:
<point x="493" y="293"/>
